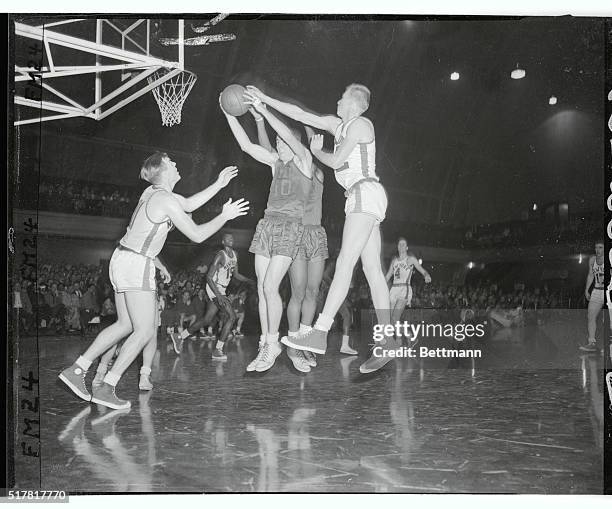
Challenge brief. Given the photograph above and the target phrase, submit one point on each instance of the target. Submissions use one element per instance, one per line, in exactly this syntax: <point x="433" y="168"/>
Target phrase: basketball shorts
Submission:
<point x="211" y="294"/>
<point x="314" y="244"/>
<point x="397" y="294"/>
<point x="366" y="197"/>
<point x="131" y="272"/>
<point x="597" y="296"/>
<point x="277" y="236"/>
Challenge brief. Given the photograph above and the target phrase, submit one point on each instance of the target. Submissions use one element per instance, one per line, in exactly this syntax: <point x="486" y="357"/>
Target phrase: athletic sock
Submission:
<point x="111" y="378"/>
<point x="220" y="345"/>
<point x="272" y="338"/>
<point x="305" y="329"/>
<point x="83" y="363"/>
<point x="292" y="334"/>
<point x="324" y="323"/>
<point x="144" y="370"/>
<point x="185" y="334"/>
<point x="345" y="341"/>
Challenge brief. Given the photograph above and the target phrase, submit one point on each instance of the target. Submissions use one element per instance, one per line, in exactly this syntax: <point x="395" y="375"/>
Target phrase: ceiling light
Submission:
<point x="454" y="76"/>
<point x="553" y="100"/>
<point x="517" y="73"/>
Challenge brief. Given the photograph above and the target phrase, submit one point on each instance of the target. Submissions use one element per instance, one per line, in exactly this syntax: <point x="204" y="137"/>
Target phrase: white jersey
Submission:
<point x="361" y="162"/>
<point x="402" y="271"/>
<point x="223" y="275"/>
<point x="144" y="236"/>
<point x="598" y="275"/>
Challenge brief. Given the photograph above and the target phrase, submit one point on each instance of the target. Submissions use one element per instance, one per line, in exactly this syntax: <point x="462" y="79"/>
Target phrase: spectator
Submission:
<point x="88" y="307"/>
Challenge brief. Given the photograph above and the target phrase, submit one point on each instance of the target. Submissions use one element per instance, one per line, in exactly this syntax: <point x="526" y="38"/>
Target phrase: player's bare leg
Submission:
<point x="141" y="308"/>
<point x="357" y="234"/>
<point x="261" y="266"/>
<point x="277" y="268"/>
<point x="74" y="376"/>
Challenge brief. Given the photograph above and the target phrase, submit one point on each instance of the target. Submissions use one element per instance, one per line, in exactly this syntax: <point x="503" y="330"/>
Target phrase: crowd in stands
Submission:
<point x="66" y="298"/>
<point x="79" y="298"/>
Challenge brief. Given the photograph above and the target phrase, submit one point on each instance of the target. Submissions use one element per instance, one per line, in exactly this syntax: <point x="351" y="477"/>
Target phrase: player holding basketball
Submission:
<point x="401" y="269"/>
<point x="279" y="234"/>
<point x="132" y="270"/>
<point x="596" y="298"/>
<point x="223" y="268"/>
<point x="354" y="163"/>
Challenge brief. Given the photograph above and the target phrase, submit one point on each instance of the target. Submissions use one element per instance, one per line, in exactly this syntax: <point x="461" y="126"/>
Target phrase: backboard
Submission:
<point x="91" y="67"/>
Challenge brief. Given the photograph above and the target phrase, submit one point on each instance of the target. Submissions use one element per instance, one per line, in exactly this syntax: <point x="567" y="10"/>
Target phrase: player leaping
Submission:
<point x="354" y="163"/>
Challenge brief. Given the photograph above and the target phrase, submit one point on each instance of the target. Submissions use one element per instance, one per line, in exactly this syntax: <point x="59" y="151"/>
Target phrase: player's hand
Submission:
<point x="224" y="301"/>
<point x="309" y="132"/>
<point x="166" y="277"/>
<point x="254" y="101"/>
<point x="255" y="92"/>
<point x="316" y="142"/>
<point x="234" y="209"/>
<point x="427" y="279"/>
<point x="226" y="175"/>
<point x="256" y="115"/>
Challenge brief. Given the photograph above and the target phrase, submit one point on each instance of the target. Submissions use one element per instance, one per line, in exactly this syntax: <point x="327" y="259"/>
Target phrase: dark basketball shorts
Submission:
<point x="314" y="244"/>
<point x="277" y="236"/>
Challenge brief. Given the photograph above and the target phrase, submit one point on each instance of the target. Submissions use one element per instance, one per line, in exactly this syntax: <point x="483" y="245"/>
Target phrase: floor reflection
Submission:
<point x="413" y="427"/>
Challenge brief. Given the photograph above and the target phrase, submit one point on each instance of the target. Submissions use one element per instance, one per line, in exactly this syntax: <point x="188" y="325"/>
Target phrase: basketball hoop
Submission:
<point x="171" y="94"/>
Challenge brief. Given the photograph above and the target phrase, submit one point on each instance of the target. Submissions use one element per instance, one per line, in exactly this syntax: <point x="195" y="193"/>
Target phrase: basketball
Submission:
<point x="232" y="100"/>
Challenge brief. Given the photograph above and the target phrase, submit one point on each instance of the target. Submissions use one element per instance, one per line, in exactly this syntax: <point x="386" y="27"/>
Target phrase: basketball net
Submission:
<point x="171" y="94"/>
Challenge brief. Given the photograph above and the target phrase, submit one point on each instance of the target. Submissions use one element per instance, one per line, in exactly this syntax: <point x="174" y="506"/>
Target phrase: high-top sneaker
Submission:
<point x="105" y="395"/>
<point x="74" y="378"/>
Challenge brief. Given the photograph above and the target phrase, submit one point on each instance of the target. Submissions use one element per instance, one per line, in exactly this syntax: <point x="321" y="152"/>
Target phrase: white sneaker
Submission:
<point x="345" y="349"/>
<point x="311" y="358"/>
<point x="255" y="361"/>
<point x="299" y="360"/>
<point x="144" y="383"/>
<point x="269" y="353"/>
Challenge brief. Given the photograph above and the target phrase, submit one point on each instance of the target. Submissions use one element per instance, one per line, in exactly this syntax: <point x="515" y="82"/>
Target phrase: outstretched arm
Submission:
<point x="240" y="277"/>
<point x="327" y="123"/>
<point x="262" y="134"/>
<point x="257" y="152"/>
<point x="163" y="270"/>
<point x="195" y="201"/>
<point x="171" y="208"/>
<point x="420" y="269"/>
<point x="360" y="131"/>
<point x="300" y="151"/>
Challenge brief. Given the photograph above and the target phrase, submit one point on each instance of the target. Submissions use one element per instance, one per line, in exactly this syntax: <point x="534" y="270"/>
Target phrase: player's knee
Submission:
<point x="370" y="269"/>
<point x="298" y="292"/>
<point x="312" y="293"/>
<point x="260" y="287"/>
<point x="270" y="289"/>
<point x="347" y="259"/>
<point x="143" y="334"/>
<point x="125" y="327"/>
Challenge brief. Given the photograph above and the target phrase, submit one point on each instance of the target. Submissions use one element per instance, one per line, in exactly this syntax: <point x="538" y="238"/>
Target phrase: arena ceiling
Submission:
<point x="479" y="149"/>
